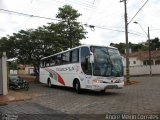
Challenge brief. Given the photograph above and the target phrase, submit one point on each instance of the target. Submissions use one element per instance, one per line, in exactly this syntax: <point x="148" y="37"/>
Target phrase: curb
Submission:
<point x="4" y="100"/>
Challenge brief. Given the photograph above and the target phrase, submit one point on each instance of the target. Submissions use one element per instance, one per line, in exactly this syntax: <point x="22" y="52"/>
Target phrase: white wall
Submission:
<point x="143" y="70"/>
<point x="131" y="60"/>
<point x="13" y="72"/>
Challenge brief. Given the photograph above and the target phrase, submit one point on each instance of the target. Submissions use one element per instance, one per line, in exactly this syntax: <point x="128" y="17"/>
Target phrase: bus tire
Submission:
<point x="103" y="91"/>
<point x="77" y="86"/>
<point x="49" y="83"/>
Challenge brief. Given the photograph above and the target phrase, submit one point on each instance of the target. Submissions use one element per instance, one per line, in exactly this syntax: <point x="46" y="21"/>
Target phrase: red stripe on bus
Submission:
<point x="60" y="79"/>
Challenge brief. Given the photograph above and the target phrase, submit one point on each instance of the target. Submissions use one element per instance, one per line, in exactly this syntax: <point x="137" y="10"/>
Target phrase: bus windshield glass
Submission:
<point x="107" y="62"/>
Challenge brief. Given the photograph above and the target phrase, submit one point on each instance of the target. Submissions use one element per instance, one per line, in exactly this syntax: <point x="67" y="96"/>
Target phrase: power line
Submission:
<point x="29" y="15"/>
<point x="91" y="26"/>
<point x="138" y="11"/>
<point x="82" y="3"/>
<point x="86" y="6"/>
<point x="93" y="2"/>
<point x="154" y="29"/>
<point x="110" y="29"/>
<point x="93" y="11"/>
<point x="103" y="11"/>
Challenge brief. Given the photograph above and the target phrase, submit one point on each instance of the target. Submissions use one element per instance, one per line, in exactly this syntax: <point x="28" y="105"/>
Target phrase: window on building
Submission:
<point x="134" y="62"/>
<point x="147" y="62"/>
<point x="157" y="62"/>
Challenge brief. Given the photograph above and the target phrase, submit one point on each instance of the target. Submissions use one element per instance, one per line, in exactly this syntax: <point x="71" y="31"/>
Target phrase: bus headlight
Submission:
<point x="97" y="81"/>
<point x="117" y="81"/>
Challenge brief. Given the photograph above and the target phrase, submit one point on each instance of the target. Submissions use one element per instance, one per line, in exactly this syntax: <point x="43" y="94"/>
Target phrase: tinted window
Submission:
<point x="53" y="61"/>
<point x="42" y="63"/>
<point x="74" y="55"/>
<point x="59" y="60"/>
<point x="47" y="62"/>
<point x="86" y="66"/>
<point x="65" y="58"/>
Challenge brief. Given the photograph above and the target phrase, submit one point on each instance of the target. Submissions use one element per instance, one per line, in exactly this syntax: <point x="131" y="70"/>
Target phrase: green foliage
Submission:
<point x="7" y="44"/>
<point x="120" y="46"/>
<point x="12" y="65"/>
<point x="134" y="47"/>
<point x="154" y="45"/>
<point x="73" y="31"/>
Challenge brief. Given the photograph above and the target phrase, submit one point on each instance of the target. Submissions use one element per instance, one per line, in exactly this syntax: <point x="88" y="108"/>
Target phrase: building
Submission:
<point x="142" y="58"/>
<point x="139" y="63"/>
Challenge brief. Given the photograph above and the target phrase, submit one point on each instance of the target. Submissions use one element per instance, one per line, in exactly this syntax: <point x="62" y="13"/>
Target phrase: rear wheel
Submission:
<point x="49" y="83"/>
<point x="77" y="87"/>
<point x="103" y="91"/>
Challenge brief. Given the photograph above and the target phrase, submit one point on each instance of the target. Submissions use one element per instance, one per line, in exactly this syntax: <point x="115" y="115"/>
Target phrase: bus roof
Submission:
<point x="85" y="45"/>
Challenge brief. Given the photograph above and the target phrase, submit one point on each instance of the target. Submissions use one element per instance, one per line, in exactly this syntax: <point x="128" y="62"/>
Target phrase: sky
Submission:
<point x="106" y="15"/>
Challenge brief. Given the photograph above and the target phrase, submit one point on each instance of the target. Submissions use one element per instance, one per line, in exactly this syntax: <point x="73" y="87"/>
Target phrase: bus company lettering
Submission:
<point x="65" y="69"/>
<point x="72" y="68"/>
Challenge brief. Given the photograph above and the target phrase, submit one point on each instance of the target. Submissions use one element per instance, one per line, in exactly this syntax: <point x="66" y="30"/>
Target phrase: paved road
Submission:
<point x="30" y="111"/>
<point x="141" y="98"/>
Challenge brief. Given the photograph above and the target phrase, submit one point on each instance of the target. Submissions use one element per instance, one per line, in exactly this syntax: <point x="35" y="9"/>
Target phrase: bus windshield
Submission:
<point x="107" y="62"/>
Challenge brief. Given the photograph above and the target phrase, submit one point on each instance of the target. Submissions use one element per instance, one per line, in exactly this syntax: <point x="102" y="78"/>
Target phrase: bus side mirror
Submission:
<point x="91" y="58"/>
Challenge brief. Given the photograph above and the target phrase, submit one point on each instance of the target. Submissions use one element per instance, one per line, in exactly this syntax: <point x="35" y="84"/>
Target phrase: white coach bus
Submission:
<point x="85" y="67"/>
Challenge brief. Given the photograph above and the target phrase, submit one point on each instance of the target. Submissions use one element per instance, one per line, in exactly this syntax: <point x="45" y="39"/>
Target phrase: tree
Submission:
<point x="72" y="30"/>
<point x="133" y="47"/>
<point x="28" y="48"/>
<point x="120" y="46"/>
<point x="7" y="44"/>
<point x="155" y="44"/>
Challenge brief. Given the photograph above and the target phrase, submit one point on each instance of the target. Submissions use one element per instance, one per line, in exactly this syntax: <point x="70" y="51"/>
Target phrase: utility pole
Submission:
<point x="149" y="44"/>
<point x="127" y="45"/>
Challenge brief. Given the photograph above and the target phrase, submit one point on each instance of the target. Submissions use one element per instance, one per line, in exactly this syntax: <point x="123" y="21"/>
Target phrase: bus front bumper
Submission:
<point x="104" y="86"/>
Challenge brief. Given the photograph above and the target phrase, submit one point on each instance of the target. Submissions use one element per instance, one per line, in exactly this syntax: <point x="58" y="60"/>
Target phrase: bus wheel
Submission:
<point x="49" y="83"/>
<point x="103" y="91"/>
<point x="77" y="87"/>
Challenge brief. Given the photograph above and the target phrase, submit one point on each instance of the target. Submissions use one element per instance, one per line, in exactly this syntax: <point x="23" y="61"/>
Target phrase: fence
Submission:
<point x="143" y="70"/>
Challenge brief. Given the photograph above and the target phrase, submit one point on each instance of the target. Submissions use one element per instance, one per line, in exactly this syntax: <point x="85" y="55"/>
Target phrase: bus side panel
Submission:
<point x="63" y="75"/>
<point x="70" y="72"/>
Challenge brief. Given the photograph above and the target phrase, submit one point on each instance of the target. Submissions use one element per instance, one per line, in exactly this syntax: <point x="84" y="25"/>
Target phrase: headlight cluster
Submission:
<point x="118" y="81"/>
<point x="98" y="81"/>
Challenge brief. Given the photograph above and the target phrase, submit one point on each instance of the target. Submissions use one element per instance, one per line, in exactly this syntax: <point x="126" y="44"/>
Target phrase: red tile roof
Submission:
<point x="145" y="54"/>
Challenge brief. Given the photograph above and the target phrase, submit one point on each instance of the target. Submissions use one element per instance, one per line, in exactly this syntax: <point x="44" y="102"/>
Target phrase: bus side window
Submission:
<point x="47" y="63"/>
<point x="59" y="60"/>
<point x="42" y="64"/>
<point x="65" y="58"/>
<point x="75" y="55"/>
<point x="53" y="62"/>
